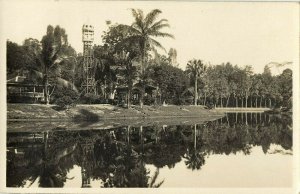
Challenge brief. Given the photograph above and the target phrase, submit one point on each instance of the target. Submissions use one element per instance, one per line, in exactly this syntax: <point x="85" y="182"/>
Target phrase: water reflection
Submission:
<point x="118" y="157"/>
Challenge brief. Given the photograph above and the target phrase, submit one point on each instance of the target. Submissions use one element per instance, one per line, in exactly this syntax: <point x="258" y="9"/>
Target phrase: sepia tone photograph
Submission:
<point x="149" y="94"/>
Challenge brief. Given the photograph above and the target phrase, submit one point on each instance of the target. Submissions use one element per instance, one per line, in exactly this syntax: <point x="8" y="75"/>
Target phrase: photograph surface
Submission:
<point x="149" y="94"/>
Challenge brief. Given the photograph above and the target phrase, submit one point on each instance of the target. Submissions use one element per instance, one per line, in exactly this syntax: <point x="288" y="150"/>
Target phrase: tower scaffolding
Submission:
<point x="88" y="86"/>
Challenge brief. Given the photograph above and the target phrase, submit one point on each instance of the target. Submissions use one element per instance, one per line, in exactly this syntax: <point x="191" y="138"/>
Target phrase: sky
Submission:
<point x="240" y="33"/>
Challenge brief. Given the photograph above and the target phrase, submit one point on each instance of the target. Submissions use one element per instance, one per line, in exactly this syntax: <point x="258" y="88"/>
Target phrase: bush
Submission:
<point x="149" y="100"/>
<point x="90" y="99"/>
<point x="65" y="102"/>
<point x="64" y="98"/>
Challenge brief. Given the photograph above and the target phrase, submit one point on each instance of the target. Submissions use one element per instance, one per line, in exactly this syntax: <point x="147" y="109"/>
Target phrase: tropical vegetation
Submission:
<point x="130" y="61"/>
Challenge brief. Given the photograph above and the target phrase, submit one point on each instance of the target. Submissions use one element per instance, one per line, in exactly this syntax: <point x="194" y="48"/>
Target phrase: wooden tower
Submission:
<point x="88" y="85"/>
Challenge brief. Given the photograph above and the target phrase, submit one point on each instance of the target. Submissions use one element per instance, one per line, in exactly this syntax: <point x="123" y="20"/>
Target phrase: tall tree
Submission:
<point x="122" y="56"/>
<point x="195" y="68"/>
<point x="285" y="83"/>
<point x="54" y="53"/>
<point x="15" y="57"/>
<point x="171" y="82"/>
<point x="128" y="70"/>
<point x="144" y="29"/>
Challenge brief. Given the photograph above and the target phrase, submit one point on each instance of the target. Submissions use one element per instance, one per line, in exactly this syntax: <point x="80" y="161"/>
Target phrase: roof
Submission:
<point x="21" y="81"/>
<point x="17" y="79"/>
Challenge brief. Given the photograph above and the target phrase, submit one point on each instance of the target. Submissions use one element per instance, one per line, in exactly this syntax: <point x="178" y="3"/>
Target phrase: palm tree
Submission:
<point x="194" y="159"/>
<point x="125" y="59"/>
<point x="54" y="52"/>
<point x="143" y="30"/>
<point x="153" y="179"/>
<point x="195" y="68"/>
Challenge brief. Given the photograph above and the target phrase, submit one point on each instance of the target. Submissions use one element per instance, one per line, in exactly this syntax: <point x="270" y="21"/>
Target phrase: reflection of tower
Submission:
<point x="88" y="84"/>
<point x="87" y="164"/>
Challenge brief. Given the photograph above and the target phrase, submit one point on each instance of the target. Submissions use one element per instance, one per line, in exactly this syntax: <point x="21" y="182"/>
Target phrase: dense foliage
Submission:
<point x="127" y="64"/>
<point x="226" y="85"/>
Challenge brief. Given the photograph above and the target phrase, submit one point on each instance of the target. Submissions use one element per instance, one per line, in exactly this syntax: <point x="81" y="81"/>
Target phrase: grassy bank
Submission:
<point x="37" y="117"/>
<point x="103" y="111"/>
<point x="239" y="109"/>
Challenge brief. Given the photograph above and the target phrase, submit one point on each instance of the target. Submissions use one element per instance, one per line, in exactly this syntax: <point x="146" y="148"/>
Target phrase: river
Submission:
<point x="238" y="150"/>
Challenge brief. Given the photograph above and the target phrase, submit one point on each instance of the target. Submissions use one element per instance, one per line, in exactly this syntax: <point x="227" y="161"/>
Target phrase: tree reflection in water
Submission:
<point x="118" y="157"/>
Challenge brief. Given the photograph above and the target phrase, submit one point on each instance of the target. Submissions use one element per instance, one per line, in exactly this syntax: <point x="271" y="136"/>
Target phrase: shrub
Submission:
<point x="65" y="102"/>
<point x="149" y="100"/>
<point x="65" y="98"/>
<point x="90" y="99"/>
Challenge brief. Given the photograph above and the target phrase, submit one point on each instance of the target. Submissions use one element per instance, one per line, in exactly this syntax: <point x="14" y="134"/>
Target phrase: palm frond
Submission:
<point x="157" y="28"/>
<point x="161" y="34"/>
<point x="156" y="44"/>
<point x="159" y="23"/>
<point x="130" y="29"/>
<point x="195" y="67"/>
<point x="138" y="17"/>
<point x="153" y="179"/>
<point x="66" y="83"/>
<point x="158" y="184"/>
<point x="55" y="52"/>
<point x="151" y="17"/>
<point x="38" y="74"/>
<point x="60" y="60"/>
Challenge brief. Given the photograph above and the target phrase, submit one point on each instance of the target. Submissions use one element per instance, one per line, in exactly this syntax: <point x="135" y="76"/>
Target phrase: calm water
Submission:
<point x="239" y="150"/>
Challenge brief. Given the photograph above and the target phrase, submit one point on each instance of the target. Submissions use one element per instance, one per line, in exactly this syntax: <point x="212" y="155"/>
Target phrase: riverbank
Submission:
<point x="38" y="112"/>
<point x="239" y="109"/>
<point x="38" y="117"/>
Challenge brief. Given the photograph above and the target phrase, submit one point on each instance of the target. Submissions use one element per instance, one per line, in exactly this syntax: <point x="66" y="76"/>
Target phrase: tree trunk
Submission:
<point x="246" y="106"/>
<point x="260" y="118"/>
<point x="104" y="90"/>
<point x="260" y="102"/>
<point x="242" y="115"/>
<point x="256" y="102"/>
<point x="265" y="102"/>
<point x="204" y="99"/>
<point x="215" y="102"/>
<point x="141" y="100"/>
<point x="227" y="101"/>
<point x="128" y="134"/>
<point x="270" y="102"/>
<point x="46" y="92"/>
<point x="129" y="97"/>
<point x="46" y="136"/>
<point x="227" y="120"/>
<point x="236" y="102"/>
<point x="195" y="136"/>
<point x="242" y="102"/>
<point x="143" y="73"/>
<point x="256" y="119"/>
<point x="221" y="102"/>
<point x="196" y="92"/>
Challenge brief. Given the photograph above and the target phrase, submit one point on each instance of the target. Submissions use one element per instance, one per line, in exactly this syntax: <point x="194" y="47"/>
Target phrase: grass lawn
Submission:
<point x="104" y="111"/>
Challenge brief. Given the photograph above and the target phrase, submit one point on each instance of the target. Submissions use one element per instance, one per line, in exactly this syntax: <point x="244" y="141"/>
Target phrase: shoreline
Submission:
<point x="39" y="112"/>
<point x="38" y="117"/>
<point x="29" y="118"/>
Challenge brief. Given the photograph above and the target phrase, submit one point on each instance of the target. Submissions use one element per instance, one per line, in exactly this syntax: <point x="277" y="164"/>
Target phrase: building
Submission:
<point x="21" y="89"/>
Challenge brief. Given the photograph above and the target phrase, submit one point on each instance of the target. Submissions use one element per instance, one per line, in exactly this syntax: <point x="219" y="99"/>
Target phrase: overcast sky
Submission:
<point x="241" y="33"/>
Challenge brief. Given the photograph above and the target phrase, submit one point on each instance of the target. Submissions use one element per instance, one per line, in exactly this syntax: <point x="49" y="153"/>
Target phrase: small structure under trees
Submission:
<point x="20" y="89"/>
